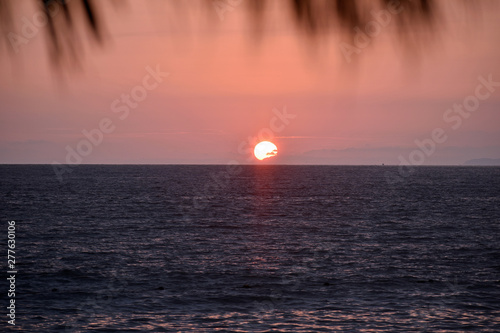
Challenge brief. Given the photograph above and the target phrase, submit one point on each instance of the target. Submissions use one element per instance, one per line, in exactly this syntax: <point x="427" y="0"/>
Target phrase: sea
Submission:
<point x="252" y="248"/>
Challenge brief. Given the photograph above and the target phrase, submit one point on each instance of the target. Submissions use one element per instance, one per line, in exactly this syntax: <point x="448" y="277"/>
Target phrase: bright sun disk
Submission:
<point x="265" y="149"/>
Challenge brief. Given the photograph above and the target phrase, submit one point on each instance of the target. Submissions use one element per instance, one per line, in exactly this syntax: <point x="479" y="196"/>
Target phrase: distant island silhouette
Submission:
<point x="483" y="161"/>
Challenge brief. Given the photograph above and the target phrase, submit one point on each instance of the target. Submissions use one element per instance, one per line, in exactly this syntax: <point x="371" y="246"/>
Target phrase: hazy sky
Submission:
<point x="225" y="87"/>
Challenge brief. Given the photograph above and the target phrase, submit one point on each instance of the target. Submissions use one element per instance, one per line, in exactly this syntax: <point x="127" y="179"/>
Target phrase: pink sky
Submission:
<point x="223" y="86"/>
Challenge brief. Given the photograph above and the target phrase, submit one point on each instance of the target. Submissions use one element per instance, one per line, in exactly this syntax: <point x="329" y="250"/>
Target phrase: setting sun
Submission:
<point x="265" y="149"/>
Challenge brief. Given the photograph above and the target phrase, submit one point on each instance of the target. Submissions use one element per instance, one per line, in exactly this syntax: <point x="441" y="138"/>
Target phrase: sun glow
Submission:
<point x="265" y="149"/>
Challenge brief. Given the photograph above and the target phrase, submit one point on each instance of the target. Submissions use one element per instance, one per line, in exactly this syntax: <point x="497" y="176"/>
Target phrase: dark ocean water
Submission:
<point x="261" y="249"/>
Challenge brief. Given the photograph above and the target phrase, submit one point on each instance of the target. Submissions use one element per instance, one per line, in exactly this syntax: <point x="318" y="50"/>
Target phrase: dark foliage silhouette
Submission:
<point x="75" y="18"/>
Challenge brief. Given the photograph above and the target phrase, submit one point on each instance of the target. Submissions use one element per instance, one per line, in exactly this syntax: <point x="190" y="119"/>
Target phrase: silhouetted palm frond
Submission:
<point x="310" y="16"/>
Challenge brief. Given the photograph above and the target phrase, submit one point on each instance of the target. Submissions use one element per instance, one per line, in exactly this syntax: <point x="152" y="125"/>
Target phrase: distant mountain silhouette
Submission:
<point x="483" y="161"/>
